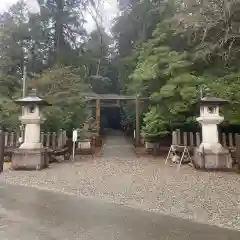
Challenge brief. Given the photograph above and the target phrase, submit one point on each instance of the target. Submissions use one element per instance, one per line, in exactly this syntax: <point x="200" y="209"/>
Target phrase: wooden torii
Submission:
<point x="117" y="98"/>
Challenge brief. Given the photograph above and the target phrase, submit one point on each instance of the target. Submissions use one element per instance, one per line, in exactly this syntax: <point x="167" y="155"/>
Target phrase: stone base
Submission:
<point x="149" y="145"/>
<point x="212" y="160"/>
<point x="31" y="159"/>
<point x="31" y="146"/>
<point x="84" y="144"/>
<point x="84" y="147"/>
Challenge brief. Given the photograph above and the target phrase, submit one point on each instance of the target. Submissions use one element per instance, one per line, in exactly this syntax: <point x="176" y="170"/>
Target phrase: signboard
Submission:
<point x="74" y="136"/>
<point x="74" y="139"/>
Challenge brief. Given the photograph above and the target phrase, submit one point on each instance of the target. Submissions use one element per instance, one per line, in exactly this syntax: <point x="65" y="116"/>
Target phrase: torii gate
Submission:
<point x="117" y="98"/>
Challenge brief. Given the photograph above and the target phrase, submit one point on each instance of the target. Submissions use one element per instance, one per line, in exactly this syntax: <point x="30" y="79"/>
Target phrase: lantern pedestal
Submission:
<point x="214" y="158"/>
<point x="30" y="159"/>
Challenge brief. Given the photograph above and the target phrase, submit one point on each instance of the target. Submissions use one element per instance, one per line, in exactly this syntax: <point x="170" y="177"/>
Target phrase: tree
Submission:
<point x="135" y="24"/>
<point x="97" y="52"/>
<point x="13" y="33"/>
<point x="64" y="88"/>
<point x="211" y="28"/>
<point x="64" y="20"/>
<point x="166" y="75"/>
<point x="47" y="38"/>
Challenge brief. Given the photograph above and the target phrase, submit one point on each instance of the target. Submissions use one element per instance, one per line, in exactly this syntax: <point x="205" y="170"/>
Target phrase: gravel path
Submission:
<point x="146" y="183"/>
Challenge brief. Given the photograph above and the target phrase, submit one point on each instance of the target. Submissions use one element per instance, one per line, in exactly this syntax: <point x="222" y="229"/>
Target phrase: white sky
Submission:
<point x="109" y="10"/>
<point x="5" y="4"/>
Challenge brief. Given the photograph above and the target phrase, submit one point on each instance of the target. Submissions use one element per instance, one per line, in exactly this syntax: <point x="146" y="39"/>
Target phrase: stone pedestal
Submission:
<point x="86" y="144"/>
<point x="216" y="158"/>
<point x="84" y="147"/>
<point x="30" y="159"/>
<point x="149" y="145"/>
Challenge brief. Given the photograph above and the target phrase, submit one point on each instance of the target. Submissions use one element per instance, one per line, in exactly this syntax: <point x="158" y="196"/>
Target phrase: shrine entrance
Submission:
<point x="115" y="100"/>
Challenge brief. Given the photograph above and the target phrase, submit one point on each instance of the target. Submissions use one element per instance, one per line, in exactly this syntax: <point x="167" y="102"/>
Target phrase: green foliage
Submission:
<point x="60" y="57"/>
<point x="192" y="45"/>
<point x="228" y="87"/>
<point x="166" y="76"/>
<point x="100" y="84"/>
<point x="165" y="50"/>
<point x="154" y="124"/>
<point x="63" y="87"/>
<point x="9" y="114"/>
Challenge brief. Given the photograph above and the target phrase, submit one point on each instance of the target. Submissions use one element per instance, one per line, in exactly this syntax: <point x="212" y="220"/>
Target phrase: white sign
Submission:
<point x="74" y="136"/>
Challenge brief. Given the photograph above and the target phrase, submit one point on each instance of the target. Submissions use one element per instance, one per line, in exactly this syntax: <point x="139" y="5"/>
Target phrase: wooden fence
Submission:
<point x="229" y="141"/>
<point x="191" y="139"/>
<point x="51" y="140"/>
<point x="238" y="152"/>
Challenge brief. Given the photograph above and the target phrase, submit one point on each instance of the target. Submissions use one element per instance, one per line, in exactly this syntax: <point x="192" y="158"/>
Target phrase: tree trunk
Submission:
<point x="59" y="37"/>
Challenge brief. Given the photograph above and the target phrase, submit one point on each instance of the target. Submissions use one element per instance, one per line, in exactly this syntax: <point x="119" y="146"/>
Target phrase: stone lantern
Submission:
<point x="31" y="153"/>
<point x="211" y="154"/>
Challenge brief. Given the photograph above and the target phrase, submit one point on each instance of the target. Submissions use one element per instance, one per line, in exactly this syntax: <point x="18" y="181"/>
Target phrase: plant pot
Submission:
<point x="149" y="145"/>
<point x="152" y="138"/>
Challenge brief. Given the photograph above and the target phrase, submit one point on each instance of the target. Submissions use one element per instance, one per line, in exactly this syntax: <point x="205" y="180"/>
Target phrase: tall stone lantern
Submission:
<point x="211" y="154"/>
<point x="31" y="154"/>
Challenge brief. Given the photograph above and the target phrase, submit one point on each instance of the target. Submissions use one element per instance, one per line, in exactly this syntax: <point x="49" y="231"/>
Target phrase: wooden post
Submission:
<point x="185" y="141"/>
<point x="198" y="140"/>
<point x="48" y="140"/>
<point x="191" y="139"/>
<point x="64" y="137"/>
<point x="2" y="145"/>
<point x="137" y="130"/>
<point x="22" y="135"/>
<point x="230" y="137"/>
<point x="224" y="139"/>
<point x="42" y="138"/>
<point x="12" y="139"/>
<point x="178" y="136"/>
<point x="98" y="115"/>
<point x="6" y="139"/>
<point x="174" y="138"/>
<point x="54" y="136"/>
<point x="235" y="138"/>
<point x="17" y="139"/>
<point x="60" y="139"/>
<point x="238" y="151"/>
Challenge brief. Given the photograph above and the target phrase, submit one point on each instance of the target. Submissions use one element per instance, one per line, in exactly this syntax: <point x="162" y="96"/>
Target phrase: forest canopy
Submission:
<point x="169" y="51"/>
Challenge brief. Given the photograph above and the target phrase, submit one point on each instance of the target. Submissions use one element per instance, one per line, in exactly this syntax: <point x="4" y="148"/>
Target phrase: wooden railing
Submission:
<point x="193" y="139"/>
<point x="52" y="140"/>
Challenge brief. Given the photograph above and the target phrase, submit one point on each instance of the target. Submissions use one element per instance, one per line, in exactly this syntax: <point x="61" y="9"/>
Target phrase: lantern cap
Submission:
<point x="213" y="101"/>
<point x="32" y="98"/>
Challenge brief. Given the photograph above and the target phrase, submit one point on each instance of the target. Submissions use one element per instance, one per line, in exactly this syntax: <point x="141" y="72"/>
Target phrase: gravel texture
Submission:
<point x="143" y="182"/>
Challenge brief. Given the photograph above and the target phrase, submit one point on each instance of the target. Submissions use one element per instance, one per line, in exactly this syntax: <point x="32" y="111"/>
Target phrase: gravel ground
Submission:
<point x="144" y="183"/>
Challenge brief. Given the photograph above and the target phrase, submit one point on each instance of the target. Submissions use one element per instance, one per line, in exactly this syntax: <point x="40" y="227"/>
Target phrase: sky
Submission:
<point x="5" y="4"/>
<point x="109" y="11"/>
